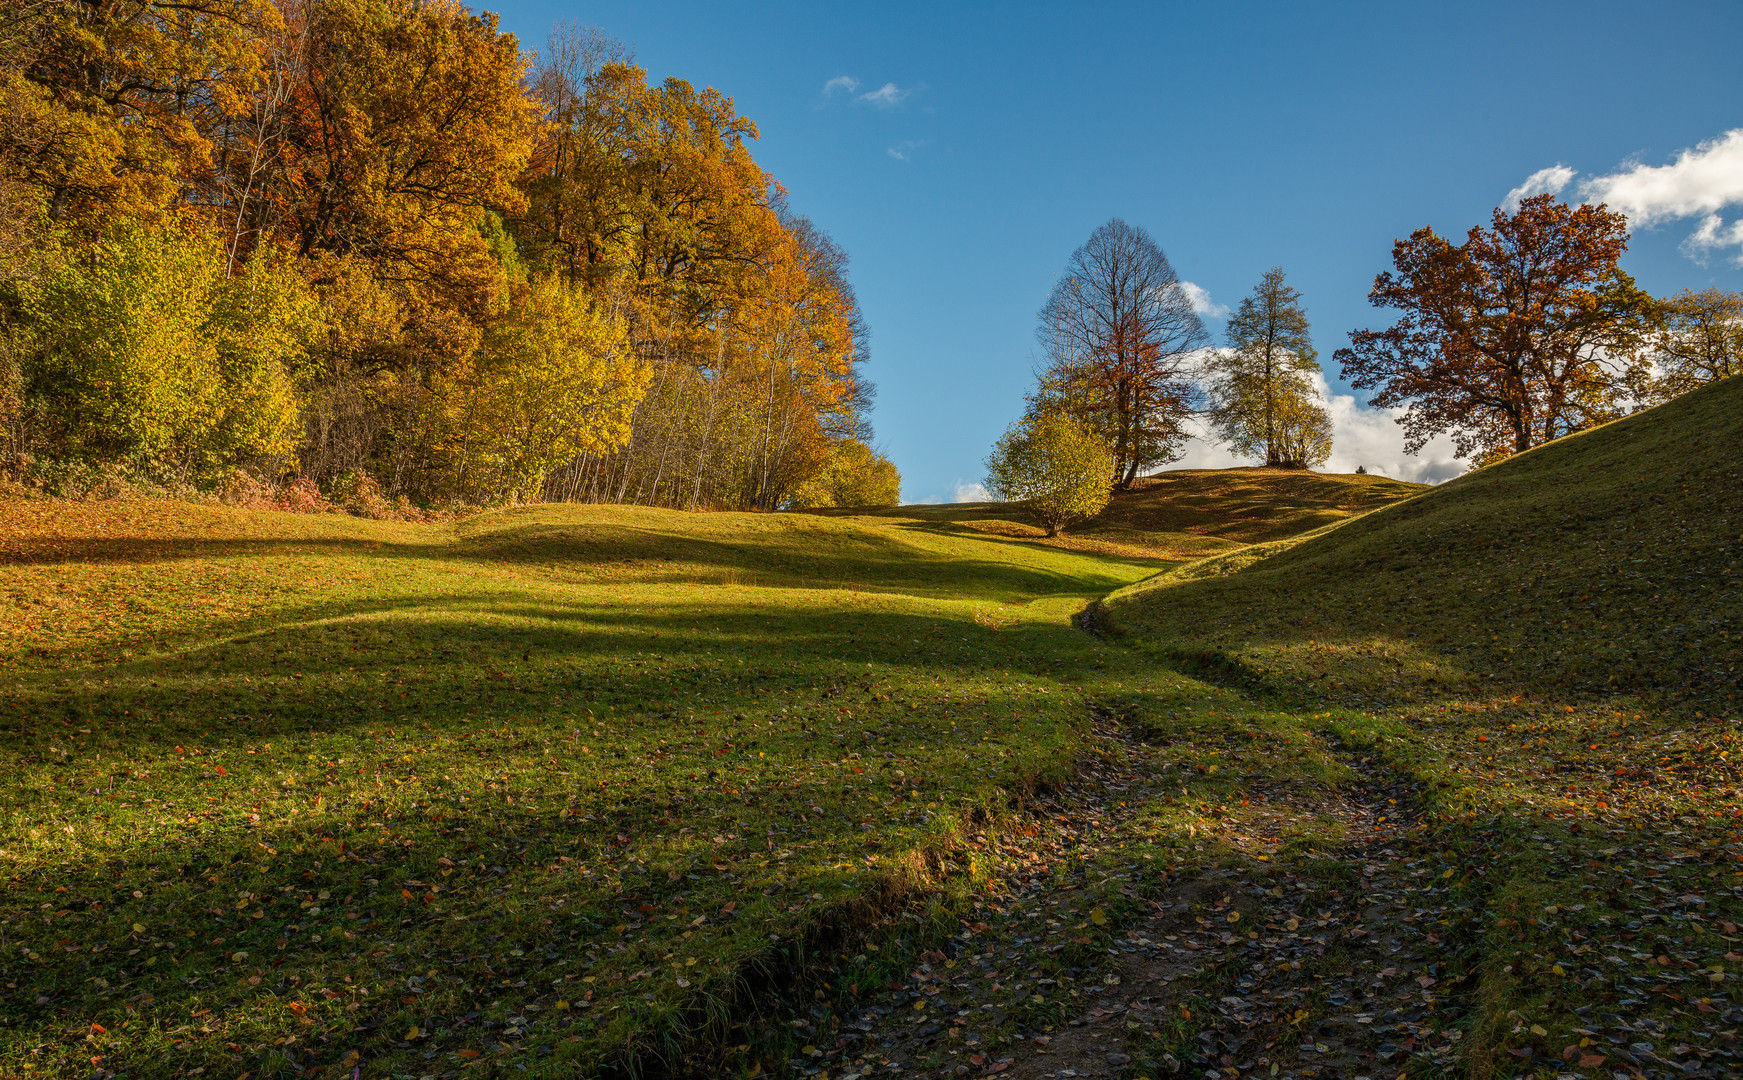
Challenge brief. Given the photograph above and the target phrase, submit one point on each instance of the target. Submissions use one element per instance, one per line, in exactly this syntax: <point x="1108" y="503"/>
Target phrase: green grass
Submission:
<point x="1552" y="648"/>
<point x="560" y="788"/>
<point x="548" y="784"/>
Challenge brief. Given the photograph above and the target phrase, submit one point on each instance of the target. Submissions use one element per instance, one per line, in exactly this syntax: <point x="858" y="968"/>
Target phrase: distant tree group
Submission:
<point x="1126" y="363"/>
<point x="1523" y="333"/>
<point x="332" y="238"/>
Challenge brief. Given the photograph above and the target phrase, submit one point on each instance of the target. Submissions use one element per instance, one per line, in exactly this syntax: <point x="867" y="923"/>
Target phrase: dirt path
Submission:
<point x="1335" y="964"/>
<point x="1335" y="974"/>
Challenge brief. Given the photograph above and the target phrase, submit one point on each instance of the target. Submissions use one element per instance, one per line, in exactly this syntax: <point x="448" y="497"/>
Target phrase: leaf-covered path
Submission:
<point x="1329" y="963"/>
<point x="1313" y="931"/>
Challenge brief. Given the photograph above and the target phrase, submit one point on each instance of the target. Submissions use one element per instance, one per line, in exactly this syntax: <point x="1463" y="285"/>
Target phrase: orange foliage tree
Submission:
<point x="1521" y="334"/>
<point x="650" y="194"/>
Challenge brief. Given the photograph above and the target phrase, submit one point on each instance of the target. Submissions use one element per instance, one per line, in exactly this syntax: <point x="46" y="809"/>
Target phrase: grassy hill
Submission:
<point x="562" y="790"/>
<point x="558" y="779"/>
<point x="1550" y="652"/>
<point x="1185" y="514"/>
<point x="1604" y="563"/>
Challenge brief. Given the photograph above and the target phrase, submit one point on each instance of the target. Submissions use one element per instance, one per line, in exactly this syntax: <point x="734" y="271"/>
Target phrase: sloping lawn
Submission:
<point x="540" y="786"/>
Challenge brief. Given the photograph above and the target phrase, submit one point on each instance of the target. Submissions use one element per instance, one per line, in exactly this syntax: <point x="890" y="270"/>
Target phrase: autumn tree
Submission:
<point x="556" y="378"/>
<point x="1055" y="465"/>
<point x="577" y="179"/>
<point x="407" y="121"/>
<point x="1303" y="432"/>
<point x="1519" y="335"/>
<point x="1117" y="336"/>
<point x="1699" y="340"/>
<point x="146" y="349"/>
<point x="114" y="108"/>
<point x="856" y="476"/>
<point x="743" y="310"/>
<point x="1263" y="399"/>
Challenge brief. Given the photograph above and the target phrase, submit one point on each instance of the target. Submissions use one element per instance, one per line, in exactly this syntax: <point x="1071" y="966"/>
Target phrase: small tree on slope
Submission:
<point x="1055" y="465"/>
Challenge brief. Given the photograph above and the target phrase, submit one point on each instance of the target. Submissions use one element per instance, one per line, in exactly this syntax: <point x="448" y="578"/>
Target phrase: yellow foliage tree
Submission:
<point x="1056" y="466"/>
<point x="556" y="378"/>
<point x="142" y="349"/>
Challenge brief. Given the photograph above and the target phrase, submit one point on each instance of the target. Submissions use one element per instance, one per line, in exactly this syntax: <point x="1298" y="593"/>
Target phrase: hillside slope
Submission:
<point x="1604" y="562"/>
<point x="1180" y="514"/>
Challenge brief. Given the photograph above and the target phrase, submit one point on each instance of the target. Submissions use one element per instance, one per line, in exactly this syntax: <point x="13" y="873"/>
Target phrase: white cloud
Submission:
<point x="904" y="150"/>
<point x="1714" y="234"/>
<point x="970" y="493"/>
<point x="844" y="83"/>
<point x="1700" y="183"/>
<point x="1199" y="297"/>
<point x="1360" y="437"/>
<point x="1543" y="181"/>
<point x="887" y="96"/>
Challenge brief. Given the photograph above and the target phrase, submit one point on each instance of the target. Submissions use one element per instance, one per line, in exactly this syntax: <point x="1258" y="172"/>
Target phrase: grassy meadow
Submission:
<point x="546" y="778"/>
<point x="578" y="790"/>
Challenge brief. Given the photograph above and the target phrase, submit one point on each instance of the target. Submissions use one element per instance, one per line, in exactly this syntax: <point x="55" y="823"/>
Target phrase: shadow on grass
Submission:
<point x="862" y="561"/>
<point x="467" y="712"/>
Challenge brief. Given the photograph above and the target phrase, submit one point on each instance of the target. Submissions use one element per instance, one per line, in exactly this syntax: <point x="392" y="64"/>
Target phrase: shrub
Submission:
<point x="856" y="475"/>
<point x="1055" y="466"/>
<point x="142" y="351"/>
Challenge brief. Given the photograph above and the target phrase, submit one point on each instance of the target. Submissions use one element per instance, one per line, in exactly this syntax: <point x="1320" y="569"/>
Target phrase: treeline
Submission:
<point x="1526" y="331"/>
<point x="344" y="244"/>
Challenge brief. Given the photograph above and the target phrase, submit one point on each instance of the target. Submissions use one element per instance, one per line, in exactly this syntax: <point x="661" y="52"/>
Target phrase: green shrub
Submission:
<point x="1056" y="466"/>
<point x="143" y="350"/>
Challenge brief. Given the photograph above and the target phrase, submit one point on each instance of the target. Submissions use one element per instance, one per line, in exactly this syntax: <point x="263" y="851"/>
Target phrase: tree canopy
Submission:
<point x="1118" y="336"/>
<point x="1521" y="334"/>
<point x="1056" y="465"/>
<point x="322" y="238"/>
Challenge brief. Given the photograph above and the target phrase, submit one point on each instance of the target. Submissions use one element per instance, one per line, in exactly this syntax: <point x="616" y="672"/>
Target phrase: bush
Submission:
<point x="1055" y="466"/>
<point x="142" y="351"/>
<point x="856" y="475"/>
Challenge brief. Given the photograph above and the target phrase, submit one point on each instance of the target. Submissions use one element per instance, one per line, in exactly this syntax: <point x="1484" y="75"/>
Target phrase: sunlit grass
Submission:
<point x="1552" y="648"/>
<point x="529" y="785"/>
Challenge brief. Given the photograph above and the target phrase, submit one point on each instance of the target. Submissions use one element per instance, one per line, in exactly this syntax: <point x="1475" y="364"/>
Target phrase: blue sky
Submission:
<point x="965" y="150"/>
